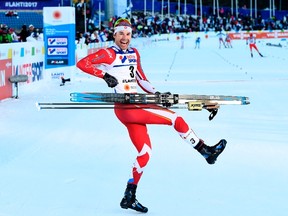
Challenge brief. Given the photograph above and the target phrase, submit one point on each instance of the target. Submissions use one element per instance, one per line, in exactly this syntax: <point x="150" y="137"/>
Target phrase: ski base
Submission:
<point x="192" y="102"/>
<point x="164" y="98"/>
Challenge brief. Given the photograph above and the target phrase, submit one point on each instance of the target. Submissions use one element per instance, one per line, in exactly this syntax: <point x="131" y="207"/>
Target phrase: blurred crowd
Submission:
<point x="147" y="25"/>
<point x="30" y="33"/>
<point x="27" y="33"/>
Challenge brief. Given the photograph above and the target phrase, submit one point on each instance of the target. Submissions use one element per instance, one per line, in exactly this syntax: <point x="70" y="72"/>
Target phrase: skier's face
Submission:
<point x="122" y="39"/>
<point x="122" y="33"/>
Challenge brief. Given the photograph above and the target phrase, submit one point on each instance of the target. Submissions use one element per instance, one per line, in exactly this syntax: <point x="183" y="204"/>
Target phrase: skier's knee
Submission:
<point x="180" y="125"/>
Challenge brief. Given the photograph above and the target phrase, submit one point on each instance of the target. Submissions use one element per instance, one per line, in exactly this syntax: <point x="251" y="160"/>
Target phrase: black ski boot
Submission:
<point x="210" y="153"/>
<point x="129" y="200"/>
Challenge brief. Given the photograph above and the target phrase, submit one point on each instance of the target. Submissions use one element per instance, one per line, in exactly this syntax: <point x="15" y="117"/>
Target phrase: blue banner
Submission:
<point x="59" y="36"/>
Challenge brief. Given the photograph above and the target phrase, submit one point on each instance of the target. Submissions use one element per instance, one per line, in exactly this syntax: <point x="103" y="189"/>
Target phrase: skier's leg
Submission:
<point x="256" y="48"/>
<point x="140" y="138"/>
<point x="251" y="46"/>
<point x="168" y="117"/>
<point x="210" y="153"/>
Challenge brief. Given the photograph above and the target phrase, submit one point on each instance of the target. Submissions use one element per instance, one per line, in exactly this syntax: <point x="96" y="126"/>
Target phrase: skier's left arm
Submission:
<point x="141" y="77"/>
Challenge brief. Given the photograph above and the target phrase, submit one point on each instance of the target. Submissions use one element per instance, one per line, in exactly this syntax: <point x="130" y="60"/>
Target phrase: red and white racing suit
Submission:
<point x="125" y="66"/>
<point x="251" y="40"/>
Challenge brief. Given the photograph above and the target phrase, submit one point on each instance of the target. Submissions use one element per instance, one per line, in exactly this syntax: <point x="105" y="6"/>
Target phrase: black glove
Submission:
<point x="110" y="80"/>
<point x="165" y="103"/>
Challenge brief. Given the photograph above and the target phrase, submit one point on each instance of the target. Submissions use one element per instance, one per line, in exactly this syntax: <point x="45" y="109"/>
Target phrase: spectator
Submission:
<point x="13" y="35"/>
<point x="94" y="37"/>
<point x="81" y="38"/>
<point x="23" y="34"/>
<point x="5" y="37"/>
<point x="87" y="38"/>
<point x="31" y="30"/>
<point x="9" y="13"/>
<point x="33" y="34"/>
<point x="40" y="35"/>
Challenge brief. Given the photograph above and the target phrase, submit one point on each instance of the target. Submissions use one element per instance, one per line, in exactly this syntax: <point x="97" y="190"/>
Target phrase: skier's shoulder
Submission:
<point x="105" y="54"/>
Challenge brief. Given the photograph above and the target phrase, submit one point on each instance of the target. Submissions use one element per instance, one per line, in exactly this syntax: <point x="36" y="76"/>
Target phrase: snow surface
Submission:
<point x="77" y="162"/>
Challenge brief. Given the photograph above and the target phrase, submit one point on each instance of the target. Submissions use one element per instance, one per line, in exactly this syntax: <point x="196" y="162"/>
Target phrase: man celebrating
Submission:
<point x="120" y="67"/>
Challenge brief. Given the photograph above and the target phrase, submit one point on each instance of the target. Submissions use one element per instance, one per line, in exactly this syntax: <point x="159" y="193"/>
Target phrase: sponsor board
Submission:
<point x="259" y="35"/>
<point x="59" y="41"/>
<point x="57" y="61"/>
<point x="57" y="51"/>
<point x="5" y="73"/>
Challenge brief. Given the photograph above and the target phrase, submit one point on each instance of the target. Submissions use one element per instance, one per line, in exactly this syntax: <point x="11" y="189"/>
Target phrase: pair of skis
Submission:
<point x="192" y="102"/>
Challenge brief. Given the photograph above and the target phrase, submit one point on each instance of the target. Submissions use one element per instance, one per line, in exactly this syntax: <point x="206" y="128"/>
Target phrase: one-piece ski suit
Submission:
<point x="125" y="66"/>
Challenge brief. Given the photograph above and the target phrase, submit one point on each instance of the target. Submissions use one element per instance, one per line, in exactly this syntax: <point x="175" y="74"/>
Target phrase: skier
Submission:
<point x="220" y="36"/>
<point x="197" y="43"/>
<point x="251" y="40"/>
<point x="120" y="67"/>
<point x="228" y="41"/>
<point x="182" y="41"/>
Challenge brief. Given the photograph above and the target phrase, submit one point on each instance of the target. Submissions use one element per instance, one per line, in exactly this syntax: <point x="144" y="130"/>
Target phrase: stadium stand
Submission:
<point x="23" y="17"/>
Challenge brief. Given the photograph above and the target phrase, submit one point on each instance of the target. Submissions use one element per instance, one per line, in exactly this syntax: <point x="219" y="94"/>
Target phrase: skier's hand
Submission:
<point x="110" y="80"/>
<point x="165" y="103"/>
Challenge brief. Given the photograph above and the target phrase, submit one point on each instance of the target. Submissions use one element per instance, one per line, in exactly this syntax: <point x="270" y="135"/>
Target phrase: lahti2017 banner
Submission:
<point x="59" y="36"/>
<point x="31" y="4"/>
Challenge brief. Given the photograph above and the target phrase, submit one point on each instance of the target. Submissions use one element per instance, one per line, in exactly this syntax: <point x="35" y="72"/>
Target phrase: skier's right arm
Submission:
<point x="91" y="63"/>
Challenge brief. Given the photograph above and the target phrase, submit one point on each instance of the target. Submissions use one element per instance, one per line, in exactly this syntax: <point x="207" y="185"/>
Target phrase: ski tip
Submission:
<point x="245" y="102"/>
<point x="223" y="142"/>
<point x="38" y="106"/>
